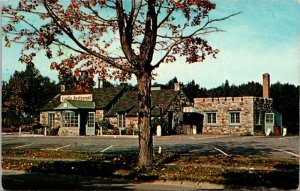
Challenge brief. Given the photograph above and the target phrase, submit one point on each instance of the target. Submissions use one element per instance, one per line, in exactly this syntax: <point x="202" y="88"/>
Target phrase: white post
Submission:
<point x="284" y="131"/>
<point x="101" y="130"/>
<point x="268" y="131"/>
<point x="45" y="132"/>
<point x="159" y="150"/>
<point x="194" y="129"/>
<point x="158" y="130"/>
<point x="20" y="130"/>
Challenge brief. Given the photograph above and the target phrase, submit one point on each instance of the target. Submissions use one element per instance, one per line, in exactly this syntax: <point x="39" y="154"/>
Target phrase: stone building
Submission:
<point x="166" y="104"/>
<point x="77" y="113"/>
<point x="246" y="115"/>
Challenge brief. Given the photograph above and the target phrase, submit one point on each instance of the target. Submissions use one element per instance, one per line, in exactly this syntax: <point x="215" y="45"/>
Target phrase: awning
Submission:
<point x="75" y="104"/>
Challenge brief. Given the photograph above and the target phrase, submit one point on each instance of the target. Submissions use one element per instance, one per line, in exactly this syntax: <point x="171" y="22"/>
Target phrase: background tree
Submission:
<point x="193" y="90"/>
<point x="286" y="101"/>
<point x="24" y="94"/>
<point x="170" y="84"/>
<point x="115" y="39"/>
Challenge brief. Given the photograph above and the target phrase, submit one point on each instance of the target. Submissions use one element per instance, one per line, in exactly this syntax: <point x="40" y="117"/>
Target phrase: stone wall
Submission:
<point x="68" y="131"/>
<point x="44" y="118"/>
<point x="129" y="121"/>
<point x="99" y="115"/>
<point x="223" y="106"/>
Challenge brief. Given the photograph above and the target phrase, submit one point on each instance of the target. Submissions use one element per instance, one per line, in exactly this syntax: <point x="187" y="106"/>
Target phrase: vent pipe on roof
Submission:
<point x="100" y="83"/>
<point x="266" y="85"/>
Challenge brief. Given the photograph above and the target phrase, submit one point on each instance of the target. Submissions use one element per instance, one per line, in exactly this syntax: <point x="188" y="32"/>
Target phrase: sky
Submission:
<point x="264" y="38"/>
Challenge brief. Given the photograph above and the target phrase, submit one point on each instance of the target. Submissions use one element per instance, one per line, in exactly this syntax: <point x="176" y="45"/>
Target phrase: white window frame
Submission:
<point x="91" y="119"/>
<point x="51" y="119"/>
<point x="234" y="117"/>
<point x="121" y="120"/>
<point x="70" y="119"/>
<point x="269" y="118"/>
<point x="211" y="117"/>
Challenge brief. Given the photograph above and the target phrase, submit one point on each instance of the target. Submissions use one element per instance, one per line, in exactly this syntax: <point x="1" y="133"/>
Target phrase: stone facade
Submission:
<point x="99" y="115"/>
<point x="44" y="118"/>
<point x="129" y="121"/>
<point x="225" y="108"/>
<point x="68" y="131"/>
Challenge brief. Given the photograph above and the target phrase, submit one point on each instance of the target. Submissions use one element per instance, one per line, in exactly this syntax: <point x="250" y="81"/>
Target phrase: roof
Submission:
<point x="53" y="103"/>
<point x="103" y="97"/>
<point x="75" y="104"/>
<point x="129" y="102"/>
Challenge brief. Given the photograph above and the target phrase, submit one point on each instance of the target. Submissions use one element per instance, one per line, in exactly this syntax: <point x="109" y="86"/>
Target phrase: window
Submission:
<point x="121" y="120"/>
<point x="269" y="117"/>
<point x="70" y="119"/>
<point x="91" y="119"/>
<point x="234" y="117"/>
<point x="211" y="118"/>
<point x="51" y="119"/>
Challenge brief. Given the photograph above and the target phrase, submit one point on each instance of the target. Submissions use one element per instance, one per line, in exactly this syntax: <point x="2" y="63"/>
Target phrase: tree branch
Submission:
<point x="69" y="33"/>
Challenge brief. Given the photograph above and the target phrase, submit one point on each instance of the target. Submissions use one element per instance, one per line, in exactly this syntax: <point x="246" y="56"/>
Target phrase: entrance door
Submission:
<point x="83" y="122"/>
<point x="269" y="123"/>
<point x="90" y="125"/>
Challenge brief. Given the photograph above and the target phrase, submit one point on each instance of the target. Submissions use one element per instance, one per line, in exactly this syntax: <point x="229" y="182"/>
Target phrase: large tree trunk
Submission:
<point x="144" y="120"/>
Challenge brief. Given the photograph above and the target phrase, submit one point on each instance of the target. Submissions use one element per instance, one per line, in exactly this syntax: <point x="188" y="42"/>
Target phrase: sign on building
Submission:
<point x="80" y="97"/>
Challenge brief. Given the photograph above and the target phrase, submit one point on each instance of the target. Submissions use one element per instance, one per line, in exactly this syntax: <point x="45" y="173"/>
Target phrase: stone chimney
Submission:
<point x="176" y="86"/>
<point x="100" y="82"/>
<point x="266" y="85"/>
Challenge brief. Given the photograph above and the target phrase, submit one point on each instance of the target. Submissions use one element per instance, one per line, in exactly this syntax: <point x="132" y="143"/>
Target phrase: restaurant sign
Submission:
<point x="79" y="97"/>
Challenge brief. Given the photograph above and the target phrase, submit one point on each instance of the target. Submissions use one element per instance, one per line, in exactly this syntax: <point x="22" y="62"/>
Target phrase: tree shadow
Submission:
<point x="38" y="181"/>
<point x="251" y="148"/>
<point x="71" y="175"/>
<point x="287" y="180"/>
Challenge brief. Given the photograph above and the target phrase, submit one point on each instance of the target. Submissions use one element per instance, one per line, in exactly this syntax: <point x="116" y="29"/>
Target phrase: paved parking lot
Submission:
<point x="284" y="147"/>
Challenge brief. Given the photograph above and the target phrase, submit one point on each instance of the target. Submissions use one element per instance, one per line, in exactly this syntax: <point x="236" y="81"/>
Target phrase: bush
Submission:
<point x="37" y="128"/>
<point x="130" y="129"/>
<point x="105" y="124"/>
<point x="10" y="129"/>
<point x="53" y="131"/>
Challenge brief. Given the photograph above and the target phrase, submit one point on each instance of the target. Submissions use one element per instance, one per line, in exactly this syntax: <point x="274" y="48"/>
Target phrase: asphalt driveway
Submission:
<point x="259" y="146"/>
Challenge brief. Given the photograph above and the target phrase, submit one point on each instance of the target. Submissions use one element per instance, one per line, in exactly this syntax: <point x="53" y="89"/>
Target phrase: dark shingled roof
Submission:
<point x="129" y="102"/>
<point x="53" y="103"/>
<point x="103" y="97"/>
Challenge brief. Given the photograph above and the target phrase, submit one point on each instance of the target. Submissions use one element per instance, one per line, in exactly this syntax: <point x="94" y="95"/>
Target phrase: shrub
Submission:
<point x="130" y="129"/>
<point x="105" y="124"/>
<point x="53" y="131"/>
<point x="10" y="129"/>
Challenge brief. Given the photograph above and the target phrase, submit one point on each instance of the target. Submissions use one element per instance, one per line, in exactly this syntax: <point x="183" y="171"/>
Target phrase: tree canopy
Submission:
<point x="114" y="39"/>
<point x="24" y="94"/>
<point x="111" y="38"/>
